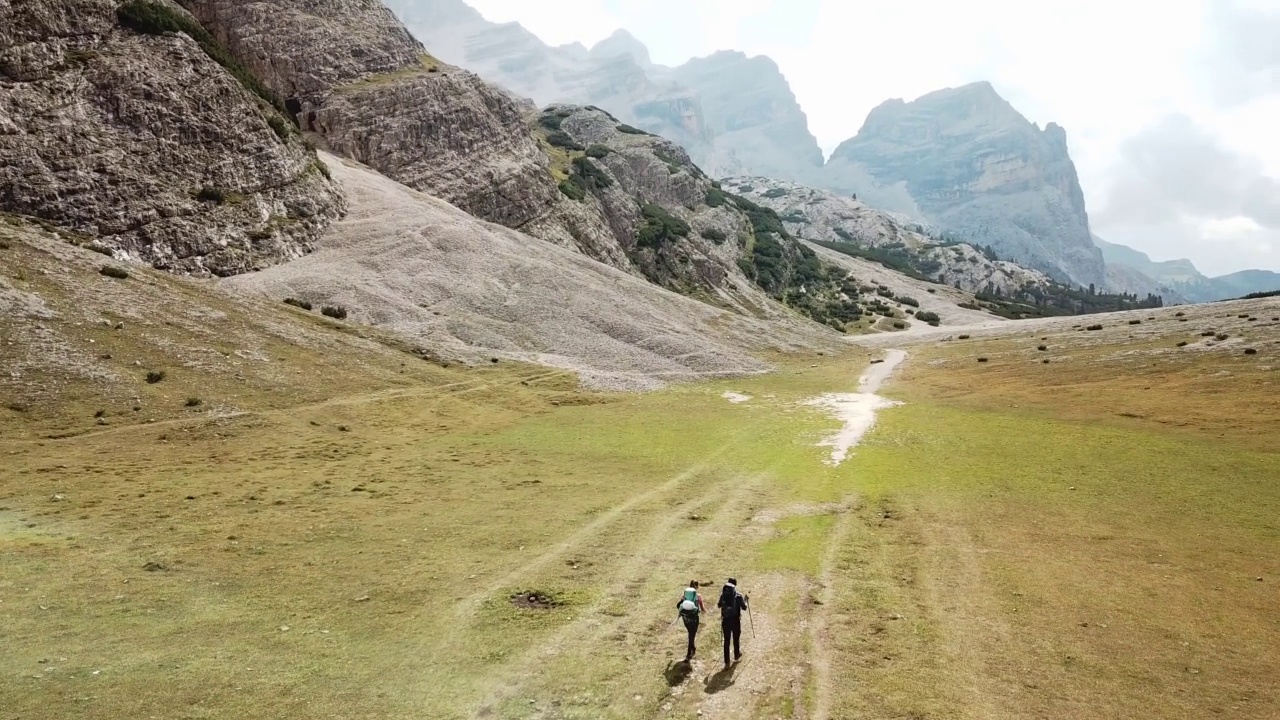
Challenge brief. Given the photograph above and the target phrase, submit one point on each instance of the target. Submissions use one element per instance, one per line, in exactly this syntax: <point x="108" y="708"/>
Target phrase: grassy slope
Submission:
<point x="337" y="528"/>
<point x="1080" y="539"/>
<point x="316" y="572"/>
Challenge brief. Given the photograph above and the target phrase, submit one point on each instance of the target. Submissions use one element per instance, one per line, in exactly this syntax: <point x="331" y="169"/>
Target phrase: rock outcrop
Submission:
<point x="977" y="168"/>
<point x="825" y="217"/>
<point x="124" y="128"/>
<point x="353" y="75"/>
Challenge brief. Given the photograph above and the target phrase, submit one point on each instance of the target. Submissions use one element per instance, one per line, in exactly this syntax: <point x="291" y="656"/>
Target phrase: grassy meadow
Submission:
<point x="340" y="529"/>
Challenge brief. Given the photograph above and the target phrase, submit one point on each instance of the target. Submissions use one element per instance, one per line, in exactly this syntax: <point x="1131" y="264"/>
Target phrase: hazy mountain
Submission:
<point x="732" y="113"/>
<point x="976" y="167"/>
<point x="1180" y="279"/>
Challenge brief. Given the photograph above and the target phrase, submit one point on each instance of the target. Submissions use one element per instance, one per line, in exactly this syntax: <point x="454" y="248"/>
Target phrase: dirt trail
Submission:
<point x="735" y="691"/>
<point x="858" y="410"/>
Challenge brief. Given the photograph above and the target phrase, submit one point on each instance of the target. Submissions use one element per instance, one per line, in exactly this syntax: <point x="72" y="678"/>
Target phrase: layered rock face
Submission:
<point x="353" y="75"/>
<point x="142" y="142"/>
<point x="819" y="215"/>
<point x="976" y="167"/>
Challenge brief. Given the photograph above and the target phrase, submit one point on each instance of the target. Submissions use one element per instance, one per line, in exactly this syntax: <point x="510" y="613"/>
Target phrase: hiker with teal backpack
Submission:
<point x="691" y="606"/>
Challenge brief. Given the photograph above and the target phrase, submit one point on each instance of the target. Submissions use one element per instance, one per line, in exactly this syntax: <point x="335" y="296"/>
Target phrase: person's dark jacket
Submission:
<point x="731" y="603"/>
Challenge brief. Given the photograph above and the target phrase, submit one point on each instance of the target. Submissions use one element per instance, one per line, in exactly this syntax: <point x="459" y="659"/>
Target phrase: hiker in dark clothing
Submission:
<point x="691" y="607"/>
<point x="731" y="605"/>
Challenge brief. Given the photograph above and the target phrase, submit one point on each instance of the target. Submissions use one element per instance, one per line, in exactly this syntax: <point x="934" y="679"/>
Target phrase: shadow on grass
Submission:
<point x="677" y="672"/>
<point x="722" y="680"/>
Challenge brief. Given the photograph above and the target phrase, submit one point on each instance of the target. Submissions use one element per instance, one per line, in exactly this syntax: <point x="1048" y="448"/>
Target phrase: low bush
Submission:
<point x="899" y="325"/>
<point x="1180" y="314"/>
<point x="1094" y="327"/>
<point x="660" y="227"/>
<point x="1243" y="315"/>
<point x="279" y="127"/>
<point x="591" y="172"/>
<point x="1135" y="322"/>
<point x="714" y="236"/>
<point x="1221" y="336"/>
<point x="927" y="316"/>
<point x="598" y="151"/>
<point x="1250" y="351"/>
<point x="155" y="376"/>
<point x="212" y="194"/>
<point x="194" y="402"/>
<point x="774" y="193"/>
<point x="625" y="128"/>
<point x="982" y="359"/>
<point x="932" y="291"/>
<point x="1043" y="348"/>
<point x="964" y="337"/>
<point x="908" y="301"/>
<point x="1208" y="333"/>
<point x="573" y="188"/>
<point x="1184" y="343"/>
<point x="298" y="303"/>
<point x="112" y="271"/>
<point x="561" y="139"/>
<point x="716" y="197"/>
<point x="336" y="312"/>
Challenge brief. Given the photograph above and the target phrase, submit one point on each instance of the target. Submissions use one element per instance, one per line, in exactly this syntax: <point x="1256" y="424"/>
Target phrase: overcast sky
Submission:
<point x="1172" y="107"/>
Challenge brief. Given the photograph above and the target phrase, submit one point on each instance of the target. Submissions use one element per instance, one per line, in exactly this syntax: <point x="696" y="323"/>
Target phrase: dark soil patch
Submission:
<point x="533" y="600"/>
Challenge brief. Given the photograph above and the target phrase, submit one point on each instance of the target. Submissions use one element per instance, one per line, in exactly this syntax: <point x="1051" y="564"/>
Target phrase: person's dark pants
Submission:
<point x="692" y="627"/>
<point x="732" y="627"/>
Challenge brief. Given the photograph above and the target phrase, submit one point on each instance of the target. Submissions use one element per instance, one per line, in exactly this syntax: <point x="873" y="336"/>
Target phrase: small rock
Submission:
<point x="1258" y="579"/>
<point x="154" y="566"/>
<point x="362" y="598"/>
<point x="284" y="628"/>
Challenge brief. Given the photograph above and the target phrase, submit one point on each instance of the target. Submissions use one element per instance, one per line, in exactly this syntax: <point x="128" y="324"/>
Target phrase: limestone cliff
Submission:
<point x="354" y="76"/>
<point x="976" y="167"/>
<point x="126" y="126"/>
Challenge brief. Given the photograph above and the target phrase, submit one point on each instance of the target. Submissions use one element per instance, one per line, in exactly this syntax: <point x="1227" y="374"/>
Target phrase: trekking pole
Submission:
<point x="751" y="620"/>
<point x="673" y="622"/>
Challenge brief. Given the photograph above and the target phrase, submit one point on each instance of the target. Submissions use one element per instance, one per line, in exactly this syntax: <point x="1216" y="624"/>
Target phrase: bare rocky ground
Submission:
<point x="410" y="263"/>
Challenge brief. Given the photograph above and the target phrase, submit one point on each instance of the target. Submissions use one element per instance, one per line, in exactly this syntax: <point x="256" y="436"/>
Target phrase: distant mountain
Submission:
<point x="1179" y="280"/>
<point x="732" y="113"/>
<point x="976" y="167"/>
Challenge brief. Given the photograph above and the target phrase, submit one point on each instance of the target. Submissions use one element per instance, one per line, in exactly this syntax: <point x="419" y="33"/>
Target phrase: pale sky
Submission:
<point x="1172" y="107"/>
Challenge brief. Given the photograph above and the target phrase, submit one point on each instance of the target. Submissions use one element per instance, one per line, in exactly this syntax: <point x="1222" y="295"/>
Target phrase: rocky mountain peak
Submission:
<point x="976" y="167"/>
<point x="624" y="43"/>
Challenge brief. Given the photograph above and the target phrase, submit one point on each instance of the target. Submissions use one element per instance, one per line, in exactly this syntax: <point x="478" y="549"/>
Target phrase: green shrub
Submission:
<point x="659" y="227"/>
<point x="929" y="317"/>
<point x="982" y="360"/>
<point x="212" y="194"/>
<point x="155" y="376"/>
<point x="598" y="151"/>
<point x="964" y="337"/>
<point x="625" y="128"/>
<point x="773" y="193"/>
<point x="908" y="301"/>
<point x="932" y="291"/>
<point x="112" y="271"/>
<point x="591" y="172"/>
<point x="336" y="312"/>
<point x="573" y="188"/>
<point x="1221" y="336"/>
<point x="322" y="168"/>
<point x="1250" y="351"/>
<point x="1094" y="327"/>
<point x="1135" y="322"/>
<point x="716" y="197"/>
<point x="551" y="121"/>
<point x="298" y="303"/>
<point x="561" y="139"/>
<point x="899" y="325"/>
<point x="714" y="235"/>
<point x="279" y="127"/>
<point x="1184" y="343"/>
<point x="1043" y="348"/>
<point x="194" y="402"/>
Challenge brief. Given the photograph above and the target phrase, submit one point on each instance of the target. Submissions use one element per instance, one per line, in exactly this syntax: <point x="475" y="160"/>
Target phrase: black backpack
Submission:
<point x="728" y="602"/>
